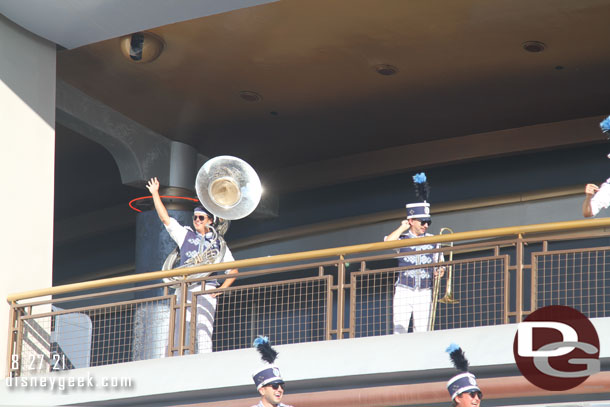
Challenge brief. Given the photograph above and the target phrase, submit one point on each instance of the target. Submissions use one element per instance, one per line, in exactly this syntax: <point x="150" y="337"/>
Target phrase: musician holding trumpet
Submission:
<point x="413" y="292"/>
<point x="191" y="241"/>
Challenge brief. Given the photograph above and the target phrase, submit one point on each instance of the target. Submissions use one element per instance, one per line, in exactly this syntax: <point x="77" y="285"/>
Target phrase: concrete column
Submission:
<point x="27" y="129"/>
<point x="153" y="245"/>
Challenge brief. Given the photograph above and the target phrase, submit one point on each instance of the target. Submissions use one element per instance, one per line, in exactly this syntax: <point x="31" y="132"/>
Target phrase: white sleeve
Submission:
<point x="176" y="231"/>
<point x="601" y="199"/>
<point x="439" y="257"/>
<point x="227" y="257"/>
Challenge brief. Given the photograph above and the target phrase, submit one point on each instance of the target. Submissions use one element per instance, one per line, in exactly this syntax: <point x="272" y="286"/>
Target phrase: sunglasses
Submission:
<point x="425" y="222"/>
<point x="200" y="217"/>
<point x="475" y="393"/>
<point x="276" y="386"/>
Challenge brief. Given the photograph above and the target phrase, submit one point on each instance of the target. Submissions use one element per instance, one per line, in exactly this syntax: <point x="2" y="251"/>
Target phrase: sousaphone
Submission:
<point x="230" y="189"/>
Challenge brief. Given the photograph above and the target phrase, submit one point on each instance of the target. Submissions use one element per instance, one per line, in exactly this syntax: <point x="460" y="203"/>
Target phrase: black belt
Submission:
<point x="410" y="282"/>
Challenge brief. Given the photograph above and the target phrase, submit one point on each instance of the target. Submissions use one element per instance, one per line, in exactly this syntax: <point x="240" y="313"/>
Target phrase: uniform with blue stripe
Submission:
<point x="195" y="243"/>
<point x="420" y="277"/>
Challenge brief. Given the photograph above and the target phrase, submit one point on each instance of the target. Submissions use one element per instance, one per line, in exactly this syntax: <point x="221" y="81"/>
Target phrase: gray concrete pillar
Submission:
<point x="153" y="245"/>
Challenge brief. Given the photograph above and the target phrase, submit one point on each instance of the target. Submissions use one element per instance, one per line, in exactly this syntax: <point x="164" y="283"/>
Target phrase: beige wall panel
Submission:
<point x="27" y="128"/>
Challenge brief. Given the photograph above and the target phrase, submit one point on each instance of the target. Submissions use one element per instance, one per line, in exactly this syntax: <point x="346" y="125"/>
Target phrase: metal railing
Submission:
<point x="498" y="276"/>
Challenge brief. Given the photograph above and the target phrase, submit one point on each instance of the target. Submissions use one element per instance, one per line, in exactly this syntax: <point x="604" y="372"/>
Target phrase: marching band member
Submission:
<point x="463" y="388"/>
<point x="268" y="380"/>
<point x="190" y="243"/>
<point x="413" y="292"/>
<point x="597" y="198"/>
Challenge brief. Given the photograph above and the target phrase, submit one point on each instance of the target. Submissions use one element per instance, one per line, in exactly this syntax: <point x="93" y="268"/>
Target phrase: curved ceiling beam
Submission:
<point x="139" y="152"/>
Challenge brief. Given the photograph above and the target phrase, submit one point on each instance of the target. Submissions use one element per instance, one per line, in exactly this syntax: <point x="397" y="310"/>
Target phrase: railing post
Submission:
<point x="340" y="297"/>
<point x="12" y="334"/>
<point x="329" y="309"/>
<point x="182" y="320"/>
<point x="519" y="277"/>
<point x="15" y="340"/>
<point x="172" y="323"/>
<point x="352" y="302"/>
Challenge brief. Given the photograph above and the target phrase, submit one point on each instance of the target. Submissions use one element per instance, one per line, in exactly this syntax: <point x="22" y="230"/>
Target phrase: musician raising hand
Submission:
<point x="413" y="288"/>
<point x="193" y="241"/>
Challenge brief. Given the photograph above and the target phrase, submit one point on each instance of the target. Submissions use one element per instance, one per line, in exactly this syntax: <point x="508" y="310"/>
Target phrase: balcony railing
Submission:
<point x="492" y="277"/>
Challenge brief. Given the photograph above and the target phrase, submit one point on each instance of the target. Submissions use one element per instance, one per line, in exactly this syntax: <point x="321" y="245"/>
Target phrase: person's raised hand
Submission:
<point x="153" y="185"/>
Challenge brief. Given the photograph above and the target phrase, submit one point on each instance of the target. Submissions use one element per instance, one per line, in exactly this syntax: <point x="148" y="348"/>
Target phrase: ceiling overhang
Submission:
<point x="74" y="23"/>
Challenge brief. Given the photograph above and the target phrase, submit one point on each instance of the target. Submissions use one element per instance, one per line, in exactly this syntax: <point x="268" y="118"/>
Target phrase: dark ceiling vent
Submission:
<point x="386" y="70"/>
<point x="534" y="46"/>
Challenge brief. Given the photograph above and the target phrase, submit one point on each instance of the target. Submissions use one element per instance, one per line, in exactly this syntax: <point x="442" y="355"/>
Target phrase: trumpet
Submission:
<point x="448" y="297"/>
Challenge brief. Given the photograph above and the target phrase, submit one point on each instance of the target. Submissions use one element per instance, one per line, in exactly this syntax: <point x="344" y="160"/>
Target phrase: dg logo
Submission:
<point x="556" y="348"/>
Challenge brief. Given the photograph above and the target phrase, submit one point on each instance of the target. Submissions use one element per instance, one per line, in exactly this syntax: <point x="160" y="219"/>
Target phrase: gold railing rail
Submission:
<point x="317" y="254"/>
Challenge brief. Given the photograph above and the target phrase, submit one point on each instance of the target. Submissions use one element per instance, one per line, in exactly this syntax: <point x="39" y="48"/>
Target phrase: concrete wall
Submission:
<point x="306" y="367"/>
<point x="27" y="128"/>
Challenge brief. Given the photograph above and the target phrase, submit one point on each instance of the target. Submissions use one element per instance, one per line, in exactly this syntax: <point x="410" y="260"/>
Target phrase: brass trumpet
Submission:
<point x="448" y="298"/>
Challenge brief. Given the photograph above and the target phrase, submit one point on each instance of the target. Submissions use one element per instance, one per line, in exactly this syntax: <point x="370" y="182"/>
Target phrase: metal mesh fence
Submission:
<point x="372" y="302"/>
<point x="577" y="279"/>
<point x="304" y="303"/>
<point x="479" y="294"/>
<point x="97" y="336"/>
<point x="35" y="347"/>
<point x="290" y="312"/>
<point x="476" y="297"/>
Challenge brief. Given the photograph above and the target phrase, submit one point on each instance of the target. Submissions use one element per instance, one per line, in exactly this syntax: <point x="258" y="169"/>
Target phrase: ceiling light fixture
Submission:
<point x="534" y="46"/>
<point x="386" y="70"/>
<point x="250" y="96"/>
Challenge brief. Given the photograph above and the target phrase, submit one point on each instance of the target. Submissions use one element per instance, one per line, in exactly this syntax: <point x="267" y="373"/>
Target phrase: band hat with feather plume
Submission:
<point x="270" y="373"/>
<point x="462" y="382"/>
<point x="605" y="126"/>
<point x="420" y="210"/>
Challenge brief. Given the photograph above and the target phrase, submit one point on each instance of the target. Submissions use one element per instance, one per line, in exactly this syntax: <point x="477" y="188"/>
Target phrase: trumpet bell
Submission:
<point x="228" y="187"/>
<point x="448" y="299"/>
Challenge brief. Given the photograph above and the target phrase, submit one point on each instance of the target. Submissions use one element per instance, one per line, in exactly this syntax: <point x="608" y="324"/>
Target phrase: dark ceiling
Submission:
<point x="461" y="68"/>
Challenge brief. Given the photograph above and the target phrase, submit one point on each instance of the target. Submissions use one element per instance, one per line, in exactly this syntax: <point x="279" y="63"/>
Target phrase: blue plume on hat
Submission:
<point x="457" y="357"/>
<point x="422" y="189"/>
<point x="268" y="354"/>
<point x="605" y="126"/>
<point x="463" y="381"/>
<point x="270" y="373"/>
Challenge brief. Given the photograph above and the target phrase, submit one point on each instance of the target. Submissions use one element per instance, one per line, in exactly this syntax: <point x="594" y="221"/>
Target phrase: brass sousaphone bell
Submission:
<point x="230" y="189"/>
